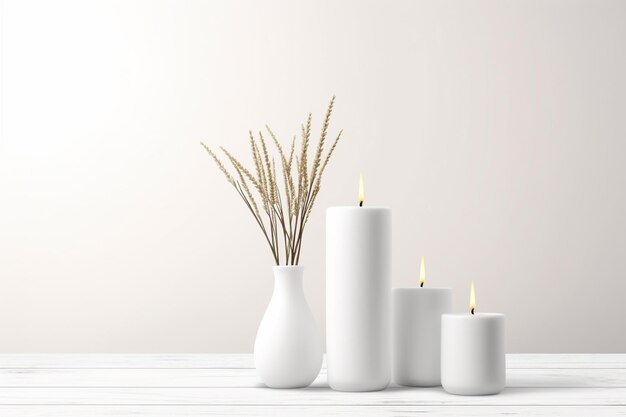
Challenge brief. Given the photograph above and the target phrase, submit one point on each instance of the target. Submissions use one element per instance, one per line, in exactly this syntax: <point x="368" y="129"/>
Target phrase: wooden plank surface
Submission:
<point x="227" y="361"/>
<point x="306" y="411"/>
<point x="121" y="360"/>
<point x="247" y="378"/>
<point x="312" y="396"/>
<point x="227" y="385"/>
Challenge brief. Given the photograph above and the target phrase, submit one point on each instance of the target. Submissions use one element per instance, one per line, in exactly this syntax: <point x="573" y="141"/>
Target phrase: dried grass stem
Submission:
<point x="286" y="209"/>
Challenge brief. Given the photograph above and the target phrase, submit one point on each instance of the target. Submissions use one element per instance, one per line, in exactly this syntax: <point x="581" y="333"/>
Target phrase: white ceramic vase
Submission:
<point x="288" y="346"/>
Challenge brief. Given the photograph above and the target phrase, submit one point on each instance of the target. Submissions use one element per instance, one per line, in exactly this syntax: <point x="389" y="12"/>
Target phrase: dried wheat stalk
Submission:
<point x="285" y="213"/>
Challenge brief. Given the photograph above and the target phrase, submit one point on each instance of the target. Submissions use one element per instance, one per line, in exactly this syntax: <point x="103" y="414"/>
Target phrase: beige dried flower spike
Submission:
<point x="285" y="210"/>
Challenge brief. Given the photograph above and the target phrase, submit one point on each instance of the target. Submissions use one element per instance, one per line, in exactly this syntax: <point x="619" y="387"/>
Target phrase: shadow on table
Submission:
<point x="507" y="391"/>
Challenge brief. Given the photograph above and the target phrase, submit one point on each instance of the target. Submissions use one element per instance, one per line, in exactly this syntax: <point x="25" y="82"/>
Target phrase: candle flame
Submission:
<point x="422" y="273"/>
<point x="472" y="298"/>
<point x="361" y="191"/>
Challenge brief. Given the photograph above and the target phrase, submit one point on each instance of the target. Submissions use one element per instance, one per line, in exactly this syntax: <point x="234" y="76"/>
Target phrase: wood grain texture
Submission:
<point x="307" y="411"/>
<point x="227" y="385"/>
<point x="247" y="378"/>
<point x="312" y="396"/>
<point x="243" y="361"/>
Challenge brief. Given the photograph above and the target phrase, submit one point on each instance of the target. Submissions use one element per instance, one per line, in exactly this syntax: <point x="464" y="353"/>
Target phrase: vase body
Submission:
<point x="288" y="346"/>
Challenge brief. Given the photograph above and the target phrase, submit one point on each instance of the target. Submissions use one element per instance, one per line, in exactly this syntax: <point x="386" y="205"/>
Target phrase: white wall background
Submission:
<point x="496" y="130"/>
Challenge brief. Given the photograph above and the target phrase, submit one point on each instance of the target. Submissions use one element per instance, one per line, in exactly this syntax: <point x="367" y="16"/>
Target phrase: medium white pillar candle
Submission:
<point x="358" y="292"/>
<point x="417" y="334"/>
<point x="472" y="353"/>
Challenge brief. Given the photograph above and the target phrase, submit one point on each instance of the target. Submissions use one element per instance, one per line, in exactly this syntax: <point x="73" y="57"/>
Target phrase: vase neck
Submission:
<point x="288" y="279"/>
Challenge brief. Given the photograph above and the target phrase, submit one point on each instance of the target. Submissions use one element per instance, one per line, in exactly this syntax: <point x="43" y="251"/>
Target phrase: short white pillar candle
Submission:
<point x="417" y="333"/>
<point x="472" y="353"/>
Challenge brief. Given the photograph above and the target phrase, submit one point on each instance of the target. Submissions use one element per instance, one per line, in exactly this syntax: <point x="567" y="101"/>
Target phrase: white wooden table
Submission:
<point x="226" y="385"/>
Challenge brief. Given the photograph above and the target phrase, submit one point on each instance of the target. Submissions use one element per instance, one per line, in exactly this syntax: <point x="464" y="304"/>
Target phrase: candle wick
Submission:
<point x="421" y="284"/>
<point x="472" y="310"/>
<point x="360" y="204"/>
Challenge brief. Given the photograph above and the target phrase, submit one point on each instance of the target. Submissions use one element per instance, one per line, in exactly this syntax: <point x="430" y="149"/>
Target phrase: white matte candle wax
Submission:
<point x="417" y="334"/>
<point x="358" y="291"/>
<point x="472" y="353"/>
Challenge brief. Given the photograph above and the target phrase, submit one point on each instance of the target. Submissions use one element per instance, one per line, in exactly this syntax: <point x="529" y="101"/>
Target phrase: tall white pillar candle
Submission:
<point x="472" y="353"/>
<point x="417" y="334"/>
<point x="358" y="292"/>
